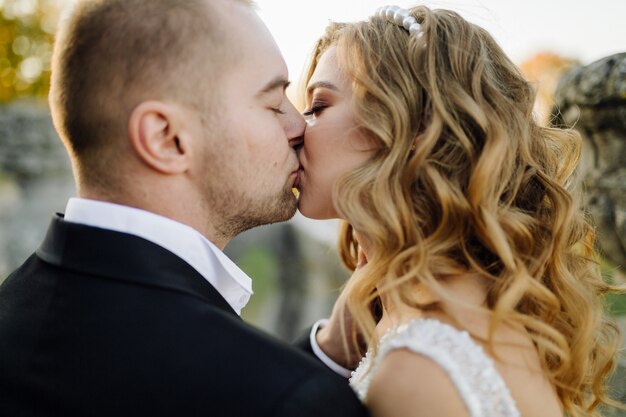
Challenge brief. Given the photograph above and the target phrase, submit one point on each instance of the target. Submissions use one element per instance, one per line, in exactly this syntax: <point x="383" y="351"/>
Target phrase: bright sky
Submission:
<point x="585" y="30"/>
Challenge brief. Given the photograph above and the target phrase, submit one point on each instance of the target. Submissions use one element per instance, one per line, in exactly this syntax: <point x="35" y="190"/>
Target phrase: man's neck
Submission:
<point x="179" y="210"/>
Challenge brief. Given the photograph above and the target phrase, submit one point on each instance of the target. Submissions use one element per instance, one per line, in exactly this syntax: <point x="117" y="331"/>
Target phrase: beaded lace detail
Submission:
<point x="472" y="372"/>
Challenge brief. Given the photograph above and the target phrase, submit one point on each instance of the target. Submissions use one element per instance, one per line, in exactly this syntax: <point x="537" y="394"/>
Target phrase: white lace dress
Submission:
<point x="471" y="371"/>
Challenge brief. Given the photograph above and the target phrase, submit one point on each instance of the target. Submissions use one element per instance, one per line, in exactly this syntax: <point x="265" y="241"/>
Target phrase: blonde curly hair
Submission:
<point x="486" y="190"/>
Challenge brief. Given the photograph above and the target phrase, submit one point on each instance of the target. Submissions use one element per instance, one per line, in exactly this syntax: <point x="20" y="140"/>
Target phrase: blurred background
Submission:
<point x="575" y="55"/>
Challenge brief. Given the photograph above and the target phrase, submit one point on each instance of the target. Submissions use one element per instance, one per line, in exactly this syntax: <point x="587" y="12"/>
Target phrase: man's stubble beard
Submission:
<point x="233" y="210"/>
<point x="242" y="213"/>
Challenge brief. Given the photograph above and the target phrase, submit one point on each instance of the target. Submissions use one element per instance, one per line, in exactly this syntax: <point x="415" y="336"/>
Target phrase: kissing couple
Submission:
<point x="474" y="292"/>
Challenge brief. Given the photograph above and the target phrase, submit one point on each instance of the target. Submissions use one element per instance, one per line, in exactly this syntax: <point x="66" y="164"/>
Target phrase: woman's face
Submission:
<point x="333" y="145"/>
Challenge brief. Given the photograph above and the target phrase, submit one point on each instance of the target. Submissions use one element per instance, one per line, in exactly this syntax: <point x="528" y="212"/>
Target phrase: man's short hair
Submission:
<point x="111" y="55"/>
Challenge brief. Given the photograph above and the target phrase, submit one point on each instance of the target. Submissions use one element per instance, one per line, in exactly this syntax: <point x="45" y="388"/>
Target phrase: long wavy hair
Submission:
<point x="486" y="190"/>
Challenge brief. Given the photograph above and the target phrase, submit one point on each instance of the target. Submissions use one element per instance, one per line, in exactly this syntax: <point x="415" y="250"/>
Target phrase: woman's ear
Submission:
<point x="155" y="131"/>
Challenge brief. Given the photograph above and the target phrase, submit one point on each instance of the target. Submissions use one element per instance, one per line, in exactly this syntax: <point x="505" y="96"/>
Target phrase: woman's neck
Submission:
<point x="463" y="297"/>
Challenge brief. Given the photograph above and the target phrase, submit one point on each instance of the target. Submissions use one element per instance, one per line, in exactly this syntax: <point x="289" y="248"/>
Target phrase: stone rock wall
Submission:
<point x="35" y="180"/>
<point x="592" y="100"/>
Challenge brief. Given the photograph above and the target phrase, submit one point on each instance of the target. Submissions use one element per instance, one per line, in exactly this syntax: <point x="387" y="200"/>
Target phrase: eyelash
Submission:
<point x="315" y="110"/>
<point x="277" y="110"/>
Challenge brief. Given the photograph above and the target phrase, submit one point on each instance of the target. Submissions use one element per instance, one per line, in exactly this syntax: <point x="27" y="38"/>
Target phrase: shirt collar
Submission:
<point x="185" y="242"/>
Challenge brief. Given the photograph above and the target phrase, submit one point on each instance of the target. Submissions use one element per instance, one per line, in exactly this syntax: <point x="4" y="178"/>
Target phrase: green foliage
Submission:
<point x="260" y="264"/>
<point x="615" y="303"/>
<point x="26" y="35"/>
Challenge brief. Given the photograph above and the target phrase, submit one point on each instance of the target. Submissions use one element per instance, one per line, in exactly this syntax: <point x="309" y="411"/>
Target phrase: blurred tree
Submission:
<point x="26" y="33"/>
<point x="544" y="70"/>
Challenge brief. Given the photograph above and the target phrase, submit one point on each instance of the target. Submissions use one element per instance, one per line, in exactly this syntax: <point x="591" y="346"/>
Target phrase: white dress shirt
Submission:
<point x="188" y="244"/>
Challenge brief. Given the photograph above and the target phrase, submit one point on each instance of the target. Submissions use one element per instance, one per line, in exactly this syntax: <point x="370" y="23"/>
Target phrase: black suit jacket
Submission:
<point x="101" y="323"/>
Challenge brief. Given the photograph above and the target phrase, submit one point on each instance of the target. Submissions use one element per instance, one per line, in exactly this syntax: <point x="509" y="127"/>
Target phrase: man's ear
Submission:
<point x="155" y="131"/>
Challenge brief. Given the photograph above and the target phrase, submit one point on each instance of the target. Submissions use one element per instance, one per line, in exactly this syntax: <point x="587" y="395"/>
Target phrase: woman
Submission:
<point x="421" y="136"/>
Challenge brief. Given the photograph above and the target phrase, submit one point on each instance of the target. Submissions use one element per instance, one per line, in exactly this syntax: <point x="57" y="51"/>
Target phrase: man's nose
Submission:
<point x="294" y="125"/>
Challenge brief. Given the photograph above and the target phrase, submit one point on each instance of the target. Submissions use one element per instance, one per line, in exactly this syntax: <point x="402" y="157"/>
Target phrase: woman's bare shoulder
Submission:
<point x="409" y="384"/>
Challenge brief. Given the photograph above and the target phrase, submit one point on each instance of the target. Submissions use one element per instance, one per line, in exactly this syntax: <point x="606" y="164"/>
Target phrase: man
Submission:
<point x="180" y="135"/>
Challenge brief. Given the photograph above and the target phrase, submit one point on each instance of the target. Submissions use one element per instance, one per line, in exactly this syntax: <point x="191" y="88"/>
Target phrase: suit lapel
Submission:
<point x="123" y="257"/>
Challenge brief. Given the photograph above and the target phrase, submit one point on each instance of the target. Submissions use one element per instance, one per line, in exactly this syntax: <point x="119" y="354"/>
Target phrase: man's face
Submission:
<point x="248" y="166"/>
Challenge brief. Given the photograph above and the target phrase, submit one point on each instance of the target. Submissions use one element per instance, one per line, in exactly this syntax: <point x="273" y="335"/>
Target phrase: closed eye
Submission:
<point x="314" y="111"/>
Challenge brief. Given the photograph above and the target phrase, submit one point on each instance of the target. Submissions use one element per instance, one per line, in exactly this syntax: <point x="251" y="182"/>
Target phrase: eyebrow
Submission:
<point x="321" y="84"/>
<point x="278" y="82"/>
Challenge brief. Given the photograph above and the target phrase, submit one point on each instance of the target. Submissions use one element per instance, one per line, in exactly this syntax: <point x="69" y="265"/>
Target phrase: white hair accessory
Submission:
<point x="400" y="17"/>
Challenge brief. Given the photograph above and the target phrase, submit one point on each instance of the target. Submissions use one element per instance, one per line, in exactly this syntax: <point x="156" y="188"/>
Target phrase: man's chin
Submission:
<point x="290" y="207"/>
<point x="284" y="209"/>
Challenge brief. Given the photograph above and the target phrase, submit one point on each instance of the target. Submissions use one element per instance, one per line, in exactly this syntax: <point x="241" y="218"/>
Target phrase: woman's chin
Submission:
<point x="307" y="209"/>
<point x="306" y="212"/>
<point x="314" y="213"/>
<point x="315" y="205"/>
